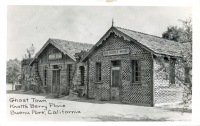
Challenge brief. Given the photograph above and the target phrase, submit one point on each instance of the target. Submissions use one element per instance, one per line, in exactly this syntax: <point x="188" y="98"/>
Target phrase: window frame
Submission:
<point x="53" y="50"/>
<point x="133" y="71"/>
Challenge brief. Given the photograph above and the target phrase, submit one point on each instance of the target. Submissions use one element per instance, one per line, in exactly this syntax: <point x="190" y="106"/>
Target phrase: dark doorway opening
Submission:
<point x="82" y="69"/>
<point x="116" y="63"/>
<point x="56" y="81"/>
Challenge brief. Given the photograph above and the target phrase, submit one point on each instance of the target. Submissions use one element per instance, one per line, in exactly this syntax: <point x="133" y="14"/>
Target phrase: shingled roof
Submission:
<point x="154" y="44"/>
<point x="70" y="48"/>
<point x="67" y="47"/>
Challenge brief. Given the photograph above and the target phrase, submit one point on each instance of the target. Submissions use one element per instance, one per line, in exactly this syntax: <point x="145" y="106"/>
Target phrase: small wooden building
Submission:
<point x="126" y="65"/>
<point x="54" y="64"/>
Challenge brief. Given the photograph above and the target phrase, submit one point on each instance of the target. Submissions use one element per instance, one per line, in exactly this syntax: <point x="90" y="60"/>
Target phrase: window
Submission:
<point x="172" y="72"/>
<point x="53" y="50"/>
<point x="136" y="71"/>
<point x="98" y="72"/>
<point x="55" y="67"/>
<point x="45" y="77"/>
<point x="187" y="70"/>
<point x="69" y="67"/>
<point x="116" y="64"/>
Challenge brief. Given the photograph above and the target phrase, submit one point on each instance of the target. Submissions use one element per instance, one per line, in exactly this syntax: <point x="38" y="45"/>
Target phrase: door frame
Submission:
<point x="52" y="80"/>
<point x="120" y="80"/>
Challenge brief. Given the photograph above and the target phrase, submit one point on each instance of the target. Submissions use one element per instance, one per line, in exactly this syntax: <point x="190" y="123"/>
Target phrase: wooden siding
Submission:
<point x="44" y="62"/>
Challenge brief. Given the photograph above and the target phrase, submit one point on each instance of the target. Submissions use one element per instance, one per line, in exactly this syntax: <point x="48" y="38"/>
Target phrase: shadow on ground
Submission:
<point x="182" y="110"/>
<point x="117" y="118"/>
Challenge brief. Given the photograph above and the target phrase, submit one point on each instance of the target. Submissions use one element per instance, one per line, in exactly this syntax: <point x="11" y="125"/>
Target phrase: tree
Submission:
<point x="186" y="30"/>
<point x="26" y="69"/>
<point x="30" y="51"/>
<point x="27" y="59"/>
<point x="172" y="33"/>
<point x="13" y="70"/>
<point x="186" y="46"/>
<point x="184" y="36"/>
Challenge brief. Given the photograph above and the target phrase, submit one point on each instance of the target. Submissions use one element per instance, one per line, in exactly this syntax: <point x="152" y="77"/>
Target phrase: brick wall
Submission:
<point x="139" y="94"/>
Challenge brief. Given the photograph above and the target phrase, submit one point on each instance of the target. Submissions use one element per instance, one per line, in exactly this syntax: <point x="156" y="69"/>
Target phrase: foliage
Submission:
<point x="172" y="33"/>
<point x="30" y="80"/>
<point x="13" y="70"/>
<point x="26" y="69"/>
<point x="186" y="32"/>
<point x="187" y="63"/>
<point x="30" y="51"/>
<point x="184" y="36"/>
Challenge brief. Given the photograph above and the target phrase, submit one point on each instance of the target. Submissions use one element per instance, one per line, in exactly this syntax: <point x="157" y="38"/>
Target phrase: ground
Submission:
<point x="77" y="109"/>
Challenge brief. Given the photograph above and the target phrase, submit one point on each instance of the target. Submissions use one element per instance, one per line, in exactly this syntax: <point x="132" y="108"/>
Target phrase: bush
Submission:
<point x="65" y="93"/>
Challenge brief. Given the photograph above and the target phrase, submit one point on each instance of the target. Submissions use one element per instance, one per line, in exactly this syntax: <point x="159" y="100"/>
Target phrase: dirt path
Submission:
<point x="86" y="110"/>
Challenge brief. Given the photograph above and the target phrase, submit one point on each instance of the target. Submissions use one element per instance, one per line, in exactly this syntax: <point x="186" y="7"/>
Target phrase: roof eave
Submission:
<point x="43" y="47"/>
<point x="167" y="55"/>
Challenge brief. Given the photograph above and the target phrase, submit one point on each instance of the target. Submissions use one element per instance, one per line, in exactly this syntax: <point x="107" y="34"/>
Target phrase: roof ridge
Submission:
<point x="146" y="34"/>
<point x="70" y="41"/>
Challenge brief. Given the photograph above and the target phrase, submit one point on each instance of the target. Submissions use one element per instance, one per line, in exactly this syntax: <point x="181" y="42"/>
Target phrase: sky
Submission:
<point x="28" y="25"/>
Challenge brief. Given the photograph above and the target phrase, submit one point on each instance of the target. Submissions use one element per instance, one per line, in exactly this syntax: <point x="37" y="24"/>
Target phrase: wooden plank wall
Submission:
<point x="43" y="61"/>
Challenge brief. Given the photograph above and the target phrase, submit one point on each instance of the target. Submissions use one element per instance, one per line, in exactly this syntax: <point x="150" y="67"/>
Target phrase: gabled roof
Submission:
<point x="67" y="47"/>
<point x="70" y="48"/>
<point x="154" y="44"/>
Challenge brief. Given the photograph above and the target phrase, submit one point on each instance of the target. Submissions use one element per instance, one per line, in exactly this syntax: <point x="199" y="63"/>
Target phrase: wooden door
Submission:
<point x="115" y="83"/>
<point x="56" y="81"/>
